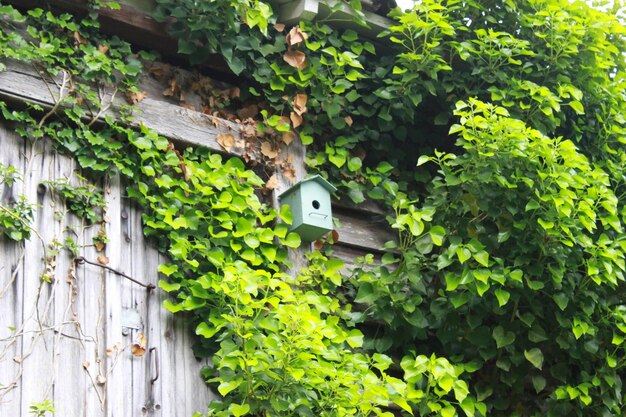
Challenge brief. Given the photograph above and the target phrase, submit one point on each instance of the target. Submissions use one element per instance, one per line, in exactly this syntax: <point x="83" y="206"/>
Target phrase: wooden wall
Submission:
<point x="63" y="340"/>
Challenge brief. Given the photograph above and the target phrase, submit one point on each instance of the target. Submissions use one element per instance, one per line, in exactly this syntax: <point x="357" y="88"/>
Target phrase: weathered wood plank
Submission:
<point x="22" y="83"/>
<point x="144" y="264"/>
<point x="363" y="230"/>
<point x="11" y="272"/>
<point x="67" y="345"/>
<point x="37" y="378"/>
<point x="116" y="382"/>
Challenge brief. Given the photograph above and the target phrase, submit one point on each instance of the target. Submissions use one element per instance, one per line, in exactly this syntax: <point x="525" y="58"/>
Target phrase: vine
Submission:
<point x="282" y="347"/>
<point x="510" y="253"/>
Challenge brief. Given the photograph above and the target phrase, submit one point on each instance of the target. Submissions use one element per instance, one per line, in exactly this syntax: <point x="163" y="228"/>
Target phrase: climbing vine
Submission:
<point x="279" y="344"/>
<point x="503" y="293"/>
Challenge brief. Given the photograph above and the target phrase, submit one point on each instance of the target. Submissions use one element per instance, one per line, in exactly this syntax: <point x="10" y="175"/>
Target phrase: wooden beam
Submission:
<point x="363" y="230"/>
<point x="22" y="83"/>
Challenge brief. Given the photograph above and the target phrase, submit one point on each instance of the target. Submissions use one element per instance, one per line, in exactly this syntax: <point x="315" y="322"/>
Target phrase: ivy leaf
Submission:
<point x="539" y="383"/>
<point x="168" y="287"/>
<point x="168" y="269"/>
<point x="239" y="410"/>
<point x="285" y="214"/>
<point x="502" y="337"/>
<point x="365" y="294"/>
<point x="482" y="258"/>
<point x="292" y="240"/>
<point x="437" y="233"/>
<point x="503" y="296"/>
<point x="355" y="338"/>
<point x="534" y="356"/>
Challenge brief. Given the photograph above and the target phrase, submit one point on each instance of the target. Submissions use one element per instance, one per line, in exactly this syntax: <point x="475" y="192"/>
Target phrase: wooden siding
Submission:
<point x="63" y="341"/>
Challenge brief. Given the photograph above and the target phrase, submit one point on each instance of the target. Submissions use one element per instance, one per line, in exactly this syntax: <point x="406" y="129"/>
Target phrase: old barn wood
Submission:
<point x="78" y="339"/>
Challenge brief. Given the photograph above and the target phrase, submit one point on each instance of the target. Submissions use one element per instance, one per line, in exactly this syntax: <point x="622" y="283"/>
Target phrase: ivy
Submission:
<point x="16" y="216"/>
<point x="280" y="344"/>
<point x="509" y="260"/>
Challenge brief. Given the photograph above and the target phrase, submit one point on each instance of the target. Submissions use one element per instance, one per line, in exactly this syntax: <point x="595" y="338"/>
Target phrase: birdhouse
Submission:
<point x="309" y="201"/>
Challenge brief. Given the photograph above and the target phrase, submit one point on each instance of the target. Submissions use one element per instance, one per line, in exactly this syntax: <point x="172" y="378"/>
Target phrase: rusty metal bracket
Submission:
<point x="81" y="260"/>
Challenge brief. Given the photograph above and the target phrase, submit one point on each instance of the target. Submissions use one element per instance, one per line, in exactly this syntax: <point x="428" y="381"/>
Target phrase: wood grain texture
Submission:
<point x="22" y="83"/>
<point x="63" y="341"/>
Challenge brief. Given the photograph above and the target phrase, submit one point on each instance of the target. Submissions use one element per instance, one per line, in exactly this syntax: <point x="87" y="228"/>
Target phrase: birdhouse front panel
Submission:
<point x="316" y="206"/>
<point x="310" y="206"/>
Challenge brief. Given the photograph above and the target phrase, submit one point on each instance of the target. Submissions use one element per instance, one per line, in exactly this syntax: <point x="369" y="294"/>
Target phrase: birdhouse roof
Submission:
<point x="315" y="178"/>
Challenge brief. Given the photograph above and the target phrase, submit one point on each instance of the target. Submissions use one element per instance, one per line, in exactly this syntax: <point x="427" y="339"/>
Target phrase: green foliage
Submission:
<point x="40" y="408"/>
<point x="85" y="201"/>
<point x="510" y="255"/>
<point x="16" y="217"/>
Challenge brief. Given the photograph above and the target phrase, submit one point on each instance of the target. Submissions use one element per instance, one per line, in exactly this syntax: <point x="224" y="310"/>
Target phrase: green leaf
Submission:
<point x="239" y="410"/>
<point x="292" y="240"/>
<point x="468" y="407"/>
<point x="534" y="356"/>
<point x="355" y="338"/>
<point x="366" y="294"/>
<point x="168" y="269"/>
<point x="207" y="331"/>
<point x="502" y="337"/>
<point x="482" y="258"/>
<point x="561" y="300"/>
<point x="448" y="411"/>
<point x="169" y="286"/>
<point x="423" y="159"/>
<point x="539" y="383"/>
<point x="171" y="307"/>
<point x="354" y="164"/>
<point x="503" y="296"/>
<point x="463" y="254"/>
<point x="437" y="234"/>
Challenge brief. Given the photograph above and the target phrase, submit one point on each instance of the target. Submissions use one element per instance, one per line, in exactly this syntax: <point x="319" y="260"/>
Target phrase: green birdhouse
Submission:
<point x="309" y="201"/>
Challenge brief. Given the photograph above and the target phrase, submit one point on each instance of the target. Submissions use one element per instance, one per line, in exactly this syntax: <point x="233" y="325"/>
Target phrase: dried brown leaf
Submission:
<point x="296" y="119"/>
<point x="234" y="92"/>
<point x="134" y="97"/>
<point x="137" y="350"/>
<point x="171" y="90"/>
<point x="142" y="339"/>
<point x="100" y="246"/>
<point x="318" y="244"/>
<point x="288" y="137"/>
<point x="79" y="39"/>
<point x="266" y="149"/>
<point x="299" y="103"/>
<point x="279" y="27"/>
<point x="348" y="120"/>
<point x="159" y="71"/>
<point x="290" y="173"/>
<point x="226" y="141"/>
<point x="103" y="260"/>
<point x="103" y="48"/>
<point x="335" y="235"/>
<point x="295" y="36"/>
<point x="272" y="183"/>
<point x="296" y="59"/>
